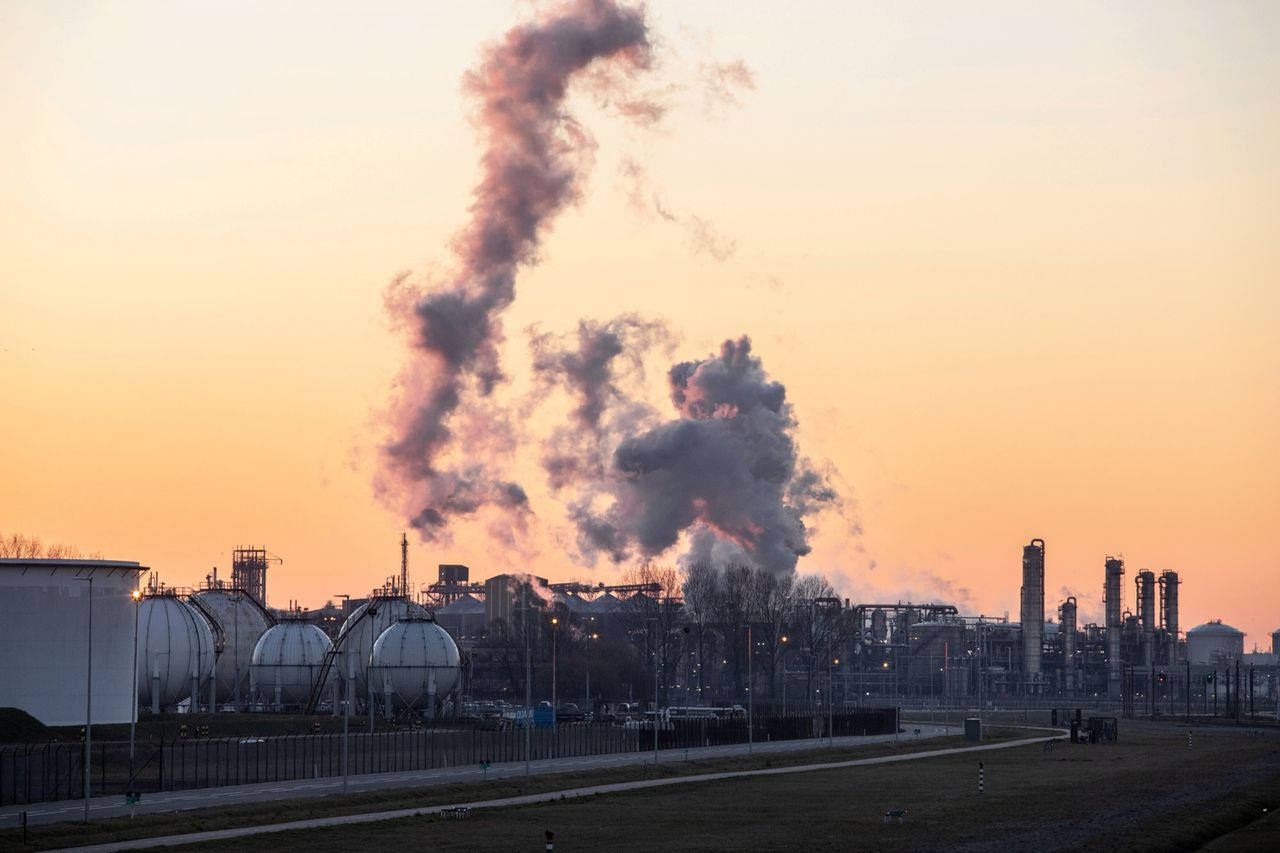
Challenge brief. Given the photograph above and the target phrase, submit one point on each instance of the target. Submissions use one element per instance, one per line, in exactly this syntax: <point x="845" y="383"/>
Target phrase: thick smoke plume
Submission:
<point x="531" y="167"/>
<point x="726" y="470"/>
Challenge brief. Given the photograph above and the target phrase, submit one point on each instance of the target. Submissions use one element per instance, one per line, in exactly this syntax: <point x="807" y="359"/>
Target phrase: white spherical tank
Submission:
<point x="1212" y="641"/>
<point x="365" y="624"/>
<point x="243" y="622"/>
<point x="286" y="662"/>
<point x="175" y="651"/>
<point x="416" y="665"/>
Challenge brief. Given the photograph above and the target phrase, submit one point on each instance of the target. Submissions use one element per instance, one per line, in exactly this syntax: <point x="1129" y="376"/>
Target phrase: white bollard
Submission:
<point x="980" y="777"/>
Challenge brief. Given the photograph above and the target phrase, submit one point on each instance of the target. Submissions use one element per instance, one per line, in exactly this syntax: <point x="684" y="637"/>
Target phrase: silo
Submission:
<point x="242" y="622"/>
<point x="175" y="652"/>
<point x="48" y="633"/>
<point x="1169" y="613"/>
<point x="1067" y="616"/>
<point x="1032" y="613"/>
<point x="1111" y="594"/>
<point x="287" y="661"/>
<point x="365" y="624"/>
<point x="415" y="665"/>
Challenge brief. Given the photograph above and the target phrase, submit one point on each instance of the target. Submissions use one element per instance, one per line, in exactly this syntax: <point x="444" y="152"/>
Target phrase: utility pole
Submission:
<point x="88" y="706"/>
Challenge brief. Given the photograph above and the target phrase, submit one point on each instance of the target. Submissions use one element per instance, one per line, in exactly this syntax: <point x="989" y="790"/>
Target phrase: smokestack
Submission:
<point x="1067" y="620"/>
<point x="1111" y="593"/>
<point x="1169" y="613"/>
<point x="1032" y="607"/>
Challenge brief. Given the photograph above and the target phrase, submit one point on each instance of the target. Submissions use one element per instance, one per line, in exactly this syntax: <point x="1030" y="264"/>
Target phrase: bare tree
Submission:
<point x="700" y="590"/>
<point x="813" y="625"/>
<point x="20" y="547"/>
<point x="771" y="605"/>
<point x="653" y="621"/>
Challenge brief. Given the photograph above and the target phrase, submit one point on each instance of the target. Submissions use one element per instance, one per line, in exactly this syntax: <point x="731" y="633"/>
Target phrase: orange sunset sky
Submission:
<point x="1018" y="267"/>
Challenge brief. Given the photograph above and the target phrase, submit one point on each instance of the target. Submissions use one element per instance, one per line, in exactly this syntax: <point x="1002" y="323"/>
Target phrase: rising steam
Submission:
<point x="531" y="169"/>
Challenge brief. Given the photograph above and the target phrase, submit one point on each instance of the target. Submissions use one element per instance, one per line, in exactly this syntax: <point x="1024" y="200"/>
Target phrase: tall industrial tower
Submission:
<point x="249" y="571"/>
<point x="1032" y="614"/>
<point x="1111" y="594"/>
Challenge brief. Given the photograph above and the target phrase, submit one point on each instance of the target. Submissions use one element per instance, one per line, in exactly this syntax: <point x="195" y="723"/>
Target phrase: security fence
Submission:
<point x="55" y="771"/>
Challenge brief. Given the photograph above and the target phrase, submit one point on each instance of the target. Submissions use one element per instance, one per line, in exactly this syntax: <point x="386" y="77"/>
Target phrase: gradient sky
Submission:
<point x="1018" y="268"/>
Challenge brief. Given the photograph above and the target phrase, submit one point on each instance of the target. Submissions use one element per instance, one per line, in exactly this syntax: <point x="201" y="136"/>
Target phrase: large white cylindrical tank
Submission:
<point x="287" y="661"/>
<point x="365" y="624"/>
<point x="175" y="649"/>
<point x="415" y="664"/>
<point x="243" y="622"/>
<point x="46" y="642"/>
<point x="1212" y="641"/>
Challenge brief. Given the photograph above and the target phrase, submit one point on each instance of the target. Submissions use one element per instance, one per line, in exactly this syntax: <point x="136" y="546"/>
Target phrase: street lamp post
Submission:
<point x="751" y="704"/>
<point x="136" y="595"/>
<point x="88" y="706"/>
<point x="555" y="623"/>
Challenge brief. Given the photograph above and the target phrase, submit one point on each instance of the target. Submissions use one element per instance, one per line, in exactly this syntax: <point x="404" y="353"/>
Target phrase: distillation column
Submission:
<point x="1032" y="614"/>
<point x="1146" y="587"/>
<point x="1067" y="623"/>
<point x="1169" y="614"/>
<point x="1111" y="594"/>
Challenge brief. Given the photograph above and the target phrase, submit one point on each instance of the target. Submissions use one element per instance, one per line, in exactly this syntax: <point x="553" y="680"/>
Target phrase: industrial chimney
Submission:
<point x="1111" y="593"/>
<point x="1032" y="614"/>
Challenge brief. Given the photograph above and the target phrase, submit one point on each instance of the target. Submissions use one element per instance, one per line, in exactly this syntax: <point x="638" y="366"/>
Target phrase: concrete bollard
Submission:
<point x="551" y="841"/>
<point x="1188" y="738"/>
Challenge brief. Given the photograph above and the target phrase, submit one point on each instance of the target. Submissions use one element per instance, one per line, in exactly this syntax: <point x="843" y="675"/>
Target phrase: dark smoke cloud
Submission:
<point x="531" y="170"/>
<point x="591" y="364"/>
<point x="726" y="470"/>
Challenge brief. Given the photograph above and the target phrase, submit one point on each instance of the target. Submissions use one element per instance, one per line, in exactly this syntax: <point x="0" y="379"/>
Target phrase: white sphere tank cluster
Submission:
<point x="287" y="661"/>
<point x="175" y="652"/>
<point x="415" y="665"/>
<point x="243" y="622"/>
<point x="365" y="624"/>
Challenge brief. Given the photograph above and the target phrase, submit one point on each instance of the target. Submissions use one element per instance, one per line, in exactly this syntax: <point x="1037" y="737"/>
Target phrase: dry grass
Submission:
<point x="1148" y="792"/>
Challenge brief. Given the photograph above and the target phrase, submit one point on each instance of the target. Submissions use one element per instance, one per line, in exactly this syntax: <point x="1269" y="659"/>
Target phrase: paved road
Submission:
<point x="196" y="798"/>
<point x="548" y="796"/>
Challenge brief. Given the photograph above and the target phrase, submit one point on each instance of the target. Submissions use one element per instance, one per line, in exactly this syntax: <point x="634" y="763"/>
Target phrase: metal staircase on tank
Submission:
<point x="339" y="645"/>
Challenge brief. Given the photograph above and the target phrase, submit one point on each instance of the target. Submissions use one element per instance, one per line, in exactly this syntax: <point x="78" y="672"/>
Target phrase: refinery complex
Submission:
<point x="455" y="645"/>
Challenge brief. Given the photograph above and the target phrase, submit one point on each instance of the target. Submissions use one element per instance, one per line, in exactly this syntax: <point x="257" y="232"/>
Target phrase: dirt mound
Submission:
<point x="17" y="726"/>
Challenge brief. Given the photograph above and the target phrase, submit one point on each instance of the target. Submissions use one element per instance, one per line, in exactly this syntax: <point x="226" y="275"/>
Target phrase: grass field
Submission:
<point x="1149" y="792"/>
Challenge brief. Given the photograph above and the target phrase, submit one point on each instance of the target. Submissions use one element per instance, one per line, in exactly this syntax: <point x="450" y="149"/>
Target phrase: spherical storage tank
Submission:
<point x="1213" y="640"/>
<point x="287" y="661"/>
<point x="365" y="624"/>
<point x="415" y="665"/>
<point x="242" y="621"/>
<point x="175" y="651"/>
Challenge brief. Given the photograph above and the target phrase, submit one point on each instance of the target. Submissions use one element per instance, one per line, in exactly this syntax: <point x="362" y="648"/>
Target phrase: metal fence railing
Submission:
<point x="36" y="773"/>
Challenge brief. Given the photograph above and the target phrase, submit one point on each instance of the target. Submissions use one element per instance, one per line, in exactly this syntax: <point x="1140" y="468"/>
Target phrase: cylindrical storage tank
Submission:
<point x="365" y="624"/>
<point x="243" y="622"/>
<point x="287" y="661"/>
<point x="49" y="629"/>
<point x="415" y="665"/>
<point x="175" y="652"/>
<point x="1213" y="641"/>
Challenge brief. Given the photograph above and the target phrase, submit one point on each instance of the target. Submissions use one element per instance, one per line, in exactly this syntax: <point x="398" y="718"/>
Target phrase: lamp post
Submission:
<point x="88" y="705"/>
<point x="591" y="638"/>
<point x="751" y="705"/>
<point x="555" y="624"/>
<point x="136" y="595"/>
